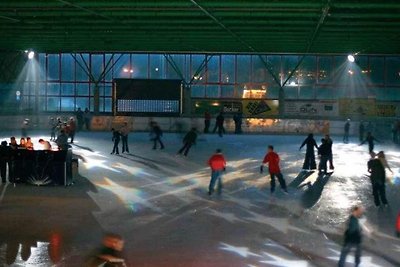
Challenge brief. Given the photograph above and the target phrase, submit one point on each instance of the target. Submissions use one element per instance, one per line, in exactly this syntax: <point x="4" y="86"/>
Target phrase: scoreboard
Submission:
<point x="147" y="97"/>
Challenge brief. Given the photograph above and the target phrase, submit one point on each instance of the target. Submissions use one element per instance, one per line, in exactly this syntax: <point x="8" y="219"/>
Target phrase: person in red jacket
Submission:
<point x="398" y="225"/>
<point x="217" y="164"/>
<point x="273" y="165"/>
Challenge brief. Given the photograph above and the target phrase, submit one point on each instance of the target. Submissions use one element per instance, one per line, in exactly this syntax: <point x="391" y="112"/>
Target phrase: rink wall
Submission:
<point x="380" y="127"/>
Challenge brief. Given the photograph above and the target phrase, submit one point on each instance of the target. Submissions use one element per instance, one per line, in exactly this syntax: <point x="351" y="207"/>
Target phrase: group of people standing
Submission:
<point x="219" y="123"/>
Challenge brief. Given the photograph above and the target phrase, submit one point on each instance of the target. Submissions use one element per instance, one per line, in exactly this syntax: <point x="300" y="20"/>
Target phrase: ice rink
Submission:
<point x="158" y="202"/>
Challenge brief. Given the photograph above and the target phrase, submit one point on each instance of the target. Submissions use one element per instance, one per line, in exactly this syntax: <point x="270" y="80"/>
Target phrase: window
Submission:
<point x="325" y="69"/>
<point x="213" y="69"/>
<point x="157" y="66"/>
<point x="67" y="67"/>
<point x="212" y="91"/>
<point x="243" y="69"/>
<point x="376" y="70"/>
<point x="139" y="66"/>
<point x="228" y="69"/>
<point x="227" y="91"/>
<point x="53" y="67"/>
<point x="97" y="67"/>
<point x="393" y="70"/>
<point x="198" y="91"/>
<point x="82" y="61"/>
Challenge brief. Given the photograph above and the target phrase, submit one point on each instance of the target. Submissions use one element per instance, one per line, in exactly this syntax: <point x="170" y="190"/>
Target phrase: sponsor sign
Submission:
<point x="312" y="108"/>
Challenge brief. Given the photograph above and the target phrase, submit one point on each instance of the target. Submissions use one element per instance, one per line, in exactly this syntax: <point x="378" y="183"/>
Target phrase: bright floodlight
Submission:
<point x="350" y="58"/>
<point x="31" y="54"/>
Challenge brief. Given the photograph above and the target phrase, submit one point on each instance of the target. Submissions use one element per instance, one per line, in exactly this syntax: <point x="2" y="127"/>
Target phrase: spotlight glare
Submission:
<point x="350" y="58"/>
<point x="31" y="54"/>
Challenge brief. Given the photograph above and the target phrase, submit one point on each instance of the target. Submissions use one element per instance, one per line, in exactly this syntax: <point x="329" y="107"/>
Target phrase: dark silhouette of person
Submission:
<point x="346" y="131"/>
<point x="309" y="161"/>
<point x="115" y="138"/>
<point x="124" y="131"/>
<point x="207" y="121"/>
<point x="370" y="139"/>
<point x="378" y="180"/>
<point x="156" y="134"/>
<point x="361" y="131"/>
<point x="188" y="141"/>
<point x="352" y="237"/>
<point x="87" y="118"/>
<point x="324" y="152"/>
<point x="329" y="142"/>
<point x="219" y="124"/>
<point x="237" y="118"/>
<point x="79" y="118"/>
<point x="4" y="155"/>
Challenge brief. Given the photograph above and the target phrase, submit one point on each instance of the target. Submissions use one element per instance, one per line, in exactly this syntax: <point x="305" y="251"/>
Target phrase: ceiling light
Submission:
<point x="31" y="54"/>
<point x="350" y="58"/>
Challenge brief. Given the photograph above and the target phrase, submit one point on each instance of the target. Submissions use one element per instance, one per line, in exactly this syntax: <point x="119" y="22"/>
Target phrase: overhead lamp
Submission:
<point x="351" y="58"/>
<point x="31" y="54"/>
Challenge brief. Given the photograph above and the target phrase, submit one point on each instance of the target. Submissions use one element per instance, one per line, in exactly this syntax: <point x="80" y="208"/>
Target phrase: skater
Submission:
<point x="79" y="119"/>
<point x="361" y="131"/>
<point x="330" y="156"/>
<point x="115" y="138"/>
<point x="71" y="129"/>
<point x="188" y="141"/>
<point x="219" y="124"/>
<point x="217" y="164"/>
<point x="324" y="152"/>
<point x="62" y="141"/>
<point x="124" y="131"/>
<point x="309" y="161"/>
<point x="273" y="159"/>
<point x="352" y="237"/>
<point x="398" y="225"/>
<point x="24" y="128"/>
<point x="4" y="153"/>
<point x="53" y="126"/>
<point x="207" y="121"/>
<point x="87" y="118"/>
<point x="156" y="134"/>
<point x="237" y="118"/>
<point x="370" y="140"/>
<point x="378" y="180"/>
<point x="346" y="131"/>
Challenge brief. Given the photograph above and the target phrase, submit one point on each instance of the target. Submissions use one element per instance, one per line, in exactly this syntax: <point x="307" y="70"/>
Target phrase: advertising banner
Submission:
<point x="357" y="107"/>
<point x="312" y="108"/>
<point x="249" y="108"/>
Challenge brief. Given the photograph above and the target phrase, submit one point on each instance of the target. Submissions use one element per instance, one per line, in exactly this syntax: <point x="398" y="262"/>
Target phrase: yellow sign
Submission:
<point x="260" y="108"/>
<point x="386" y="110"/>
<point x="357" y="106"/>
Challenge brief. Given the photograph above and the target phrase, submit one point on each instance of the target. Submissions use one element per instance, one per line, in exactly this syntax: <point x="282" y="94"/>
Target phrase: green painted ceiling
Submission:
<point x="280" y="26"/>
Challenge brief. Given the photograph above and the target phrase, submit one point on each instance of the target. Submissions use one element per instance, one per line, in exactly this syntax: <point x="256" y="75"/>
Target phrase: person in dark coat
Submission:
<point x="4" y="154"/>
<point x="324" y="152"/>
<point x="361" y="131"/>
<point x="352" y="237"/>
<point x="156" y="134"/>
<point x="71" y="129"/>
<point x="87" y="118"/>
<point x="62" y="141"/>
<point x="346" y="131"/>
<point x="115" y="138"/>
<point x="12" y="160"/>
<point x="79" y="118"/>
<point x="237" y="118"/>
<point x="124" y="132"/>
<point x="207" y="121"/>
<point x="219" y="124"/>
<point x="370" y="139"/>
<point x="329" y="142"/>
<point x="309" y="161"/>
<point x="378" y="180"/>
<point x="189" y="140"/>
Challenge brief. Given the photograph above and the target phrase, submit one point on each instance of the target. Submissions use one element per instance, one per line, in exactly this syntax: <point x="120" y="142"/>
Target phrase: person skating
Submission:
<point x="207" y="121"/>
<point x="346" y="131"/>
<point x="329" y="141"/>
<point x="370" y="139"/>
<point x="219" y="124"/>
<point x="115" y="138"/>
<point x="352" y="237"/>
<point x="124" y="131"/>
<point x="156" y="134"/>
<point x="361" y="131"/>
<point x="272" y="159"/>
<point x="309" y="161"/>
<point x="4" y="154"/>
<point x="237" y="118"/>
<point x="80" y="119"/>
<point x="217" y="164"/>
<point x="189" y="140"/>
<point x="71" y="129"/>
<point x="62" y="140"/>
<point x="378" y="180"/>
<point x="398" y="225"/>
<point x="381" y="156"/>
<point x="324" y="152"/>
<point x="87" y="117"/>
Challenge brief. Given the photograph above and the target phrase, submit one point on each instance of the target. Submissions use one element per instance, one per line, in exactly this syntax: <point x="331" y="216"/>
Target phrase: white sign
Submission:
<point x="312" y="108"/>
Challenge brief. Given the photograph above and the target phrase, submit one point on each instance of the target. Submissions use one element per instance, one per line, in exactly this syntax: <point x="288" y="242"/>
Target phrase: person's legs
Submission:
<point x="371" y="148"/>
<point x="322" y="164"/>
<point x="313" y="164"/>
<point x="272" y="182"/>
<point x="3" y="170"/>
<point x="182" y="148"/>
<point x="214" y="176"/>
<point x="206" y="126"/>
<point x="161" y="143"/>
<point x="72" y="137"/>
<point x="219" y="189"/>
<point x="306" y="164"/>
<point x="375" y="192"/>
<point x="220" y="130"/>
<point x="343" y="255"/>
<point x="282" y="181"/>
<point x="126" y="144"/>
<point x="155" y="140"/>
<point x="382" y="194"/>
<point x="357" y="254"/>
<point x="188" y="146"/>
<point x="330" y="158"/>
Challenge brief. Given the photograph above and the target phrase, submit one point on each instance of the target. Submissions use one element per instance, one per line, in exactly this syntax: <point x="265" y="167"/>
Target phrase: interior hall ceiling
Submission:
<point x="214" y="26"/>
